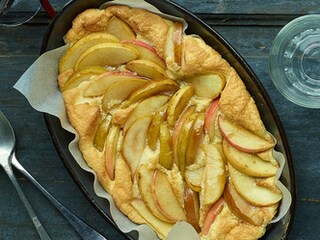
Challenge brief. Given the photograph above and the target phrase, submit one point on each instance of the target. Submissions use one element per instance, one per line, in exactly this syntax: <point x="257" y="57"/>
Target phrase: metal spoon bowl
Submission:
<point x="8" y="158"/>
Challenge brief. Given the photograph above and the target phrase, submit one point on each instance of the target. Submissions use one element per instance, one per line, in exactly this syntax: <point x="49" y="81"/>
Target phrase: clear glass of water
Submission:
<point x="16" y="12"/>
<point x="294" y="61"/>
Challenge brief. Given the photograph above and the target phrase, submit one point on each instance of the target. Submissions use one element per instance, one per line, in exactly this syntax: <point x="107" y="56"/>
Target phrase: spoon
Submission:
<point x="7" y="157"/>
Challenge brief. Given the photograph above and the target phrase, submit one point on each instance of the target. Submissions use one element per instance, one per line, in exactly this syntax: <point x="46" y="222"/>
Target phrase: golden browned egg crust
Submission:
<point x="86" y="114"/>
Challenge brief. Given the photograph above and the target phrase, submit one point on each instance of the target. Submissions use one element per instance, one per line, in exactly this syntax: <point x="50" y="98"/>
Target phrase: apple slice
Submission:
<point x="196" y="135"/>
<point x="99" y="85"/>
<point x="248" y="163"/>
<point x="134" y="142"/>
<point x="151" y="88"/>
<point x="144" y="181"/>
<point x="144" y="108"/>
<point x="183" y="141"/>
<point x="207" y="86"/>
<point x="68" y="60"/>
<point x="111" y="150"/>
<point x="165" y="199"/>
<point x="120" y="29"/>
<point x="252" y="192"/>
<point x="146" y="68"/>
<point x="161" y="227"/>
<point x="81" y="76"/>
<point x="178" y="103"/>
<point x="147" y="52"/>
<point x="211" y="125"/>
<point x="211" y="215"/>
<point x="240" y="207"/>
<point x="177" y="42"/>
<point x="191" y="207"/>
<point x="166" y="148"/>
<point x="193" y="176"/>
<point x="106" y="54"/>
<point x="241" y="138"/>
<point x="214" y="177"/>
<point x="177" y="130"/>
<point x="119" y="92"/>
<point x="102" y="133"/>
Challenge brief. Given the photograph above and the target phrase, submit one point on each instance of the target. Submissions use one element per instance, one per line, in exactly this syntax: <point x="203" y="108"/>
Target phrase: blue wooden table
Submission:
<point x="250" y="26"/>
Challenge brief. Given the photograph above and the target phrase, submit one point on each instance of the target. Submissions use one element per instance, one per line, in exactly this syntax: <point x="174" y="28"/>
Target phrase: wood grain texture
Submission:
<point x="20" y="46"/>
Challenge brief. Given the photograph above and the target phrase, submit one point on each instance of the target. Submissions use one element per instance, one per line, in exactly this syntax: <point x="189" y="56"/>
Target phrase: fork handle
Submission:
<point x="36" y="222"/>
<point x="84" y="230"/>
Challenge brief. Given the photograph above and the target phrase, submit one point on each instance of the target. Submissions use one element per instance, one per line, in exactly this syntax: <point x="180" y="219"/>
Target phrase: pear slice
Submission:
<point x="135" y="141"/>
<point x="207" y="86"/>
<point x="165" y="199"/>
<point x="146" y="68"/>
<point x="111" y="150"/>
<point x="68" y="60"/>
<point x="120" y="91"/>
<point x="81" y="76"/>
<point x="102" y="133"/>
<point x="166" y="148"/>
<point x="178" y="103"/>
<point x="241" y="138"/>
<point x="252" y="192"/>
<point x="98" y="85"/>
<point x="248" y="163"/>
<point x="151" y="88"/>
<point x="106" y="54"/>
<point x="144" y="180"/>
<point x="120" y="29"/>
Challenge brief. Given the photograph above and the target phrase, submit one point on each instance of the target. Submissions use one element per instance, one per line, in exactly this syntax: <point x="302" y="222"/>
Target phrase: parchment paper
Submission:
<point x="39" y="85"/>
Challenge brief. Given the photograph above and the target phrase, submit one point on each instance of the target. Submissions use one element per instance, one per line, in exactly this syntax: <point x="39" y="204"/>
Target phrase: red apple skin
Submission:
<point x="145" y="45"/>
<point x="191" y="206"/>
<point x="210" y="118"/>
<point x="158" y="205"/>
<point x="240" y="207"/>
<point x="239" y="147"/>
<point x="141" y="44"/>
<point x="212" y="214"/>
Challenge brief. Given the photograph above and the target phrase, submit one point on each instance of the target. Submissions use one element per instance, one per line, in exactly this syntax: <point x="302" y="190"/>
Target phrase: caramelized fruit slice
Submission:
<point x="111" y="150"/>
<point x="178" y="103"/>
<point x="120" y="91"/>
<point x="248" y="163"/>
<point x="120" y="29"/>
<point x="248" y="188"/>
<point x="241" y="138"/>
<point x="165" y="199"/>
<point x="68" y="60"/>
<point x="146" y="68"/>
<point x="106" y="54"/>
<point x="134" y="142"/>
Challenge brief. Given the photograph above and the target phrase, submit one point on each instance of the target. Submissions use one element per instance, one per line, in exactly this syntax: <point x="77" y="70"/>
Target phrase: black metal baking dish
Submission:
<point x="54" y="38"/>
